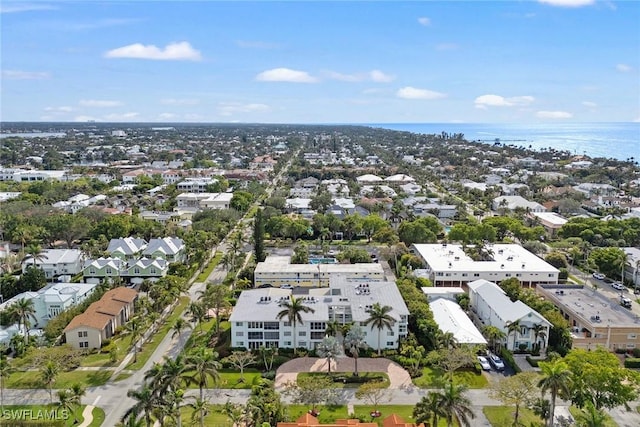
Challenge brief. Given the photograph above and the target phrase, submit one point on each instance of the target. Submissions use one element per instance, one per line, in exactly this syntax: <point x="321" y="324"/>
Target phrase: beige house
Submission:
<point x="99" y="322"/>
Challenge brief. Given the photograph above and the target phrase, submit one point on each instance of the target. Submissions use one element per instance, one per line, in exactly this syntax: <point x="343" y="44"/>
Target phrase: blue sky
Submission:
<point x="321" y="62"/>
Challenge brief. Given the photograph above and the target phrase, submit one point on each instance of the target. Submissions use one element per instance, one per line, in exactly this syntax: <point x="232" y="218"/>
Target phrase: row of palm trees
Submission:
<point x="495" y="335"/>
<point x="163" y="395"/>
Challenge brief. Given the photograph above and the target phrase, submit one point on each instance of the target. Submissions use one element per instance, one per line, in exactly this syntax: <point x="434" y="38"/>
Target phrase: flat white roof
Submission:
<point x="451" y="318"/>
<point x="551" y="217"/>
<point x="281" y="264"/>
<point x="433" y="290"/>
<point x="506" y="257"/>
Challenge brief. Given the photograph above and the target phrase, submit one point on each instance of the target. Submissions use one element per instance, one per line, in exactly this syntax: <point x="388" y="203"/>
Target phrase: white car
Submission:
<point x="496" y="362"/>
<point x="599" y="276"/>
<point x="484" y="363"/>
<point x="285" y="286"/>
<point x="618" y="286"/>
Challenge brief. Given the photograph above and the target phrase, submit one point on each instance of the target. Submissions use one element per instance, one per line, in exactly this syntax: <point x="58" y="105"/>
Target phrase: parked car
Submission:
<point x="286" y="286"/>
<point x="484" y="363"/>
<point x="618" y="286"/>
<point x="599" y="276"/>
<point x="497" y="363"/>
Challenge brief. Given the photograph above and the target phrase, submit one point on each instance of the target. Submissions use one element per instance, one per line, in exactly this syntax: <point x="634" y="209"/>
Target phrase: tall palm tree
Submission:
<point x="429" y="409"/>
<point x="5" y="370"/>
<point x="380" y="318"/>
<point x="556" y="378"/>
<point x="354" y="340"/>
<point x="178" y="326"/>
<point x="197" y="312"/>
<point x="203" y="366"/>
<point x="539" y="333"/>
<point x="513" y="328"/>
<point x="65" y="402"/>
<point x="35" y="252"/>
<point x="447" y="341"/>
<point x="292" y="311"/>
<point x="48" y="375"/>
<point x="146" y="400"/>
<point x="200" y="410"/>
<point x="215" y="297"/>
<point x="135" y="328"/>
<point x="493" y="334"/>
<point x="455" y="404"/>
<point x="24" y="311"/>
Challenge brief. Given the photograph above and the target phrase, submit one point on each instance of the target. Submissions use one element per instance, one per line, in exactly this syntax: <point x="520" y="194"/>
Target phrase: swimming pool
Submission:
<point x="316" y="261"/>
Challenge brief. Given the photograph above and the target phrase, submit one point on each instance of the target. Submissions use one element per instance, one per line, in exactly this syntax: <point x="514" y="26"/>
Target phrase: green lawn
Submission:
<point x="404" y="411"/>
<point x="328" y="414"/>
<point x="202" y="277"/>
<point x="502" y="416"/>
<point x="339" y="384"/>
<point x="431" y="376"/>
<point x="214" y="418"/>
<point x="230" y="378"/>
<point x="100" y="358"/>
<point x="150" y="346"/>
<point x="51" y="413"/>
<point x="608" y="422"/>
<point x="31" y="379"/>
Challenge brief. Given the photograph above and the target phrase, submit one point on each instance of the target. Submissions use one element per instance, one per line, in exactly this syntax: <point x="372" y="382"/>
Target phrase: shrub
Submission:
<point x="636" y="352"/>
<point x="508" y="358"/>
<point x="269" y="375"/>
<point x="632" y="362"/>
<point x="621" y="350"/>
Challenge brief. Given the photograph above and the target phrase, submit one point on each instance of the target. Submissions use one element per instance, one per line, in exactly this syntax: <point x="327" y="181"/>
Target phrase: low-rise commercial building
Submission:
<point x="278" y="270"/>
<point x="595" y="319"/>
<point x="452" y="319"/>
<point x="449" y="265"/>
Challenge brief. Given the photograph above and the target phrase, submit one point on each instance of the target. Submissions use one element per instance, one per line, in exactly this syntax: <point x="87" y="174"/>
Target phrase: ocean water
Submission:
<point x="612" y="140"/>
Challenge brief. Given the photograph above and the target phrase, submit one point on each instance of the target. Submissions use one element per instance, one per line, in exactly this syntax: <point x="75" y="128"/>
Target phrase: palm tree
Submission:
<point x="215" y="297"/>
<point x="48" y="375"/>
<point x="429" y="409"/>
<point x="293" y="309"/>
<point x="493" y="334"/>
<point x="200" y="410"/>
<point x="146" y="400"/>
<point x="77" y="392"/>
<point x="539" y="333"/>
<point x="179" y="325"/>
<point x="380" y="318"/>
<point x="329" y="348"/>
<point x="513" y="327"/>
<point x="455" y="404"/>
<point x="65" y="402"/>
<point x="333" y="328"/>
<point x="135" y="328"/>
<point x="35" y="252"/>
<point x="556" y="378"/>
<point x="203" y="365"/>
<point x="5" y="370"/>
<point x="24" y="311"/>
<point x="447" y="341"/>
<point x="354" y="340"/>
<point x="197" y="312"/>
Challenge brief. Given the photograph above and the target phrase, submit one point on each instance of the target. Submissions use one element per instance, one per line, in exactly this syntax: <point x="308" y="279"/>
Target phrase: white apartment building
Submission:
<point x="448" y="265"/>
<point x="57" y="262"/>
<point x="278" y="270"/>
<point x="516" y="202"/>
<point x="254" y="320"/>
<point x="492" y="306"/>
<point x="195" y="185"/>
<point x="451" y="318"/>
<point x="204" y="200"/>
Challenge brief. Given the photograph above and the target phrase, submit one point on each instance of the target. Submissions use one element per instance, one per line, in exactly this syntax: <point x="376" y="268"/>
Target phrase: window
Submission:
<point x="83" y="334"/>
<point x="390" y="333"/>
<point x="272" y="326"/>
<point x="238" y="323"/>
<point x="239" y="344"/>
<point x="254" y="345"/>
<point x="551" y="274"/>
<point x="631" y="336"/>
<point x="476" y="274"/>
<point x="84" y="344"/>
<point x="524" y="331"/>
<point x="287" y="324"/>
<point x="272" y="335"/>
<point x="152" y="271"/>
<point x="255" y="325"/>
<point x="439" y="274"/>
<point x="92" y="270"/>
<point x="318" y="326"/>
<point x="302" y="344"/>
<point x="464" y="274"/>
<point x="302" y="333"/>
<point x="317" y="335"/>
<point x="390" y="343"/>
<point x="136" y="270"/>
<point x="239" y="334"/>
<point x="287" y="343"/>
<point x="255" y="335"/>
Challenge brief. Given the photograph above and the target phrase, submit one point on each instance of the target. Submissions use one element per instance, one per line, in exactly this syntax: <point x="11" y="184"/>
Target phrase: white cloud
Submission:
<point x="231" y="108"/>
<point x="179" y="101"/>
<point x="485" y="101"/>
<point x="181" y="51"/>
<point x="24" y="7"/>
<point x="568" y="3"/>
<point x="345" y="77"/>
<point x="424" y="21"/>
<point x="103" y="23"/>
<point x="553" y="115"/>
<point x="589" y="104"/>
<point x="24" y="75"/>
<point x="116" y="117"/>
<point x="285" y="75"/>
<point x="97" y="103"/>
<point x="63" y="109"/>
<point x="409" y="92"/>
<point x="623" y="68"/>
<point x="380" y="77"/>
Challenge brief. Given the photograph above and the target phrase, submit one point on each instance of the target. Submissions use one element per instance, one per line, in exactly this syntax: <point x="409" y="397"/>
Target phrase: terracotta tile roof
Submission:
<point x="89" y="319"/>
<point x="121" y="294"/>
<point x="111" y="307"/>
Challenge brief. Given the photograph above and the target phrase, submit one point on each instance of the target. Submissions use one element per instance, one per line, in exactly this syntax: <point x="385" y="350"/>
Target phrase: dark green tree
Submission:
<point x="258" y="237"/>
